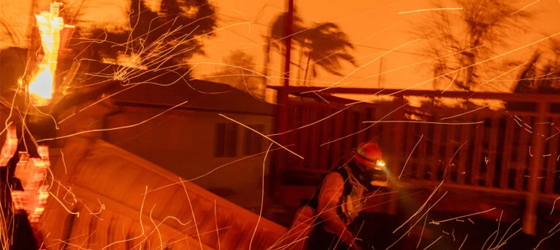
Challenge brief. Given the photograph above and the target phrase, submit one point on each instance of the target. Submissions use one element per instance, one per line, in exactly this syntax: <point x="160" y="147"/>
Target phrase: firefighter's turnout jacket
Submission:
<point x="341" y="189"/>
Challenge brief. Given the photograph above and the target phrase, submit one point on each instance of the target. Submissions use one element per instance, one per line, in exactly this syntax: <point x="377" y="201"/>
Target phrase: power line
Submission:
<point x="398" y="51"/>
<point x="358" y="45"/>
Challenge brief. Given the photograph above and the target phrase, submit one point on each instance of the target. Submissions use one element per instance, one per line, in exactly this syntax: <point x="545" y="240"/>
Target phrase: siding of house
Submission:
<point x="192" y="145"/>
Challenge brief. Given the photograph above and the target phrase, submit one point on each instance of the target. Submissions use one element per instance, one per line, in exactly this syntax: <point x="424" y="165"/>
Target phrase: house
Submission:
<point x="112" y="141"/>
<point x="194" y="140"/>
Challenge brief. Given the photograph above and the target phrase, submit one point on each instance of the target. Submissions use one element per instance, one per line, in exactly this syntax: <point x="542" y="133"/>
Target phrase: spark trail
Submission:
<point x="425" y="10"/>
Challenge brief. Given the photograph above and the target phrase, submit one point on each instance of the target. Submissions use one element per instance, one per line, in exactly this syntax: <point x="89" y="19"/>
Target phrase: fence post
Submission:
<point x="398" y="145"/>
<point x="537" y="148"/>
<point x="280" y="157"/>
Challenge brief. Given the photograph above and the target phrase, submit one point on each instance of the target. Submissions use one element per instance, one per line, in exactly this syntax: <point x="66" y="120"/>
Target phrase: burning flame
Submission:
<point x="32" y="173"/>
<point x="50" y="25"/>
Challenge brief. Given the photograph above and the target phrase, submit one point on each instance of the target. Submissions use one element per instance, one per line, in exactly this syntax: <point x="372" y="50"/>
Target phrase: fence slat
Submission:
<point x="326" y="132"/>
<point x="521" y="161"/>
<point x="475" y="164"/>
<point x="410" y="142"/>
<point x="422" y="148"/>
<point x="363" y="116"/>
<point x="398" y="141"/>
<point x="463" y="154"/>
<point x="551" y="156"/>
<point x="506" y="155"/>
<point x="336" y="147"/>
<point x="302" y="143"/>
<point x="371" y="116"/>
<point x="293" y="116"/>
<point x="535" y="168"/>
<point x="378" y="129"/>
<point x="349" y="128"/>
<point x="492" y="151"/>
<point x="450" y="148"/>
<point x="285" y="158"/>
<point x="436" y="145"/>
<point x="315" y="133"/>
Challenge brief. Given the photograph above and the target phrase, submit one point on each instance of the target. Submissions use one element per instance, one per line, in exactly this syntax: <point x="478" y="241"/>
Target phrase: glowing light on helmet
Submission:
<point x="369" y="155"/>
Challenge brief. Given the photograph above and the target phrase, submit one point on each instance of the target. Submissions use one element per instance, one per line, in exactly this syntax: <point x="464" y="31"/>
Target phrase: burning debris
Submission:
<point x="50" y="25"/>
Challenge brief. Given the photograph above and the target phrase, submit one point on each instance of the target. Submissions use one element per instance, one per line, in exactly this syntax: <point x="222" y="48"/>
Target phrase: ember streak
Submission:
<point x="135" y="117"/>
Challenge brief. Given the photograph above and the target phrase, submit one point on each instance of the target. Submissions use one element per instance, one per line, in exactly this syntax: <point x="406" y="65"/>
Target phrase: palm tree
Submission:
<point x="323" y="45"/>
<point x="277" y="32"/>
<point x="274" y="40"/>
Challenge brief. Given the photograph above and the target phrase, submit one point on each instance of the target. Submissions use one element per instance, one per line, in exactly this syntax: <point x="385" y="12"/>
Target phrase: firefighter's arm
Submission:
<point x="330" y="196"/>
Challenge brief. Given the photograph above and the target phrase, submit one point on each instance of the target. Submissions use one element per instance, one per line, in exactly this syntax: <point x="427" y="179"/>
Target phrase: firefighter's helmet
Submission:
<point x="369" y="156"/>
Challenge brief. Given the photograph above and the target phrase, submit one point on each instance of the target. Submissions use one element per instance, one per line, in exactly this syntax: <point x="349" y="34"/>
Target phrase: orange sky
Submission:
<point x="369" y="24"/>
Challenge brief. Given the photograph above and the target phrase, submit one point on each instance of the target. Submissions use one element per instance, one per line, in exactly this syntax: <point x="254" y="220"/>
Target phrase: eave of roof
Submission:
<point x="167" y="88"/>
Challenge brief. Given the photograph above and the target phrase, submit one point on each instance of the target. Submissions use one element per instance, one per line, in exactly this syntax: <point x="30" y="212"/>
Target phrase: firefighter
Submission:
<point x="327" y="217"/>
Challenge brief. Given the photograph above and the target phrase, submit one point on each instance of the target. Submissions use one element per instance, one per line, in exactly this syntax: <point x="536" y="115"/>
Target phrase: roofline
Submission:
<point x="520" y="97"/>
<point x="186" y="108"/>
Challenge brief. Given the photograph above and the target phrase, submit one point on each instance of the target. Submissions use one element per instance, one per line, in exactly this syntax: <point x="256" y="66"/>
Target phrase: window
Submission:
<point x="253" y="141"/>
<point x="226" y="140"/>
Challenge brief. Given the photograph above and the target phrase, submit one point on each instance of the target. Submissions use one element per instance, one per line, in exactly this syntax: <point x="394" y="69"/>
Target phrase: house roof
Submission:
<point x="168" y="88"/>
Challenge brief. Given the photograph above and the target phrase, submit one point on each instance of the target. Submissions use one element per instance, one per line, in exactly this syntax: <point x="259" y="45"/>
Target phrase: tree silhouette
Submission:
<point x="541" y="75"/>
<point x="240" y="73"/>
<point x="275" y="39"/>
<point x="324" y="45"/>
<point x="163" y="39"/>
<point x="278" y="31"/>
<point x="461" y="40"/>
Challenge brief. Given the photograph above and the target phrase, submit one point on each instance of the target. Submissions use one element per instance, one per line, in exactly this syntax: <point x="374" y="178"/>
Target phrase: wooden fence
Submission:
<point x="513" y="150"/>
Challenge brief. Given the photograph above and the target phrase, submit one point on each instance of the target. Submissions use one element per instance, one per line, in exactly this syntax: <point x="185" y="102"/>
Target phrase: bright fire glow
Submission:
<point x="32" y="174"/>
<point x="50" y="25"/>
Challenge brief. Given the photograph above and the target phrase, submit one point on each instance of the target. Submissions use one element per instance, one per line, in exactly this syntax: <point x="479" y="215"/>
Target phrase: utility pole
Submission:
<point x="266" y="62"/>
<point x="282" y="100"/>
<point x="288" y="37"/>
